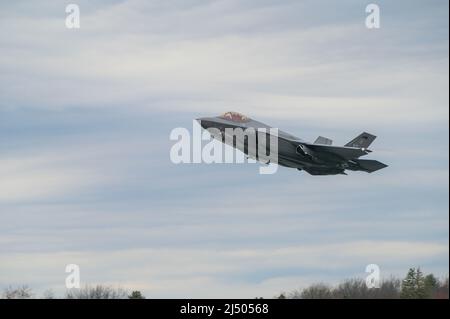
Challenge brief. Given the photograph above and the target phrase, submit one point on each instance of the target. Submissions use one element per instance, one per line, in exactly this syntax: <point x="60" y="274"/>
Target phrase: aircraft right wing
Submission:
<point x="343" y="152"/>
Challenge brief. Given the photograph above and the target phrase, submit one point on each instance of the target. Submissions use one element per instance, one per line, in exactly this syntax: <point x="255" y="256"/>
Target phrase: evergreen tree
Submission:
<point x="421" y="292"/>
<point x="431" y="285"/>
<point x="136" y="295"/>
<point x="413" y="286"/>
<point x="408" y="285"/>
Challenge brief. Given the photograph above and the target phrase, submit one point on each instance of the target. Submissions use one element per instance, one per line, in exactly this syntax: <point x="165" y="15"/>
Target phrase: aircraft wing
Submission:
<point x="343" y="152"/>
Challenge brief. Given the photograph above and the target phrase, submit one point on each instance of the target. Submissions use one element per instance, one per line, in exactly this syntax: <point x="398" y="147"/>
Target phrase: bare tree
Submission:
<point x="389" y="289"/>
<point x="48" y="294"/>
<point x="281" y="296"/>
<point x="315" y="291"/>
<point x="22" y="292"/>
<point x="97" y="292"/>
<point x="350" y="289"/>
<point x="442" y="290"/>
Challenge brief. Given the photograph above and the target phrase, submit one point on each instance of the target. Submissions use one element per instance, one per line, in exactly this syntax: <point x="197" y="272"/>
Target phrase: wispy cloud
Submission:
<point x="85" y="117"/>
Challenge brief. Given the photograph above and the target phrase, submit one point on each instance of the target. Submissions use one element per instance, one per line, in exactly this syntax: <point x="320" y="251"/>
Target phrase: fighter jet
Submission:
<point x="318" y="158"/>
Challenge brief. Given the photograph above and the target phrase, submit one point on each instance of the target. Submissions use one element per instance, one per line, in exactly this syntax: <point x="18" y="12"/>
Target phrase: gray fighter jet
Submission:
<point x="318" y="158"/>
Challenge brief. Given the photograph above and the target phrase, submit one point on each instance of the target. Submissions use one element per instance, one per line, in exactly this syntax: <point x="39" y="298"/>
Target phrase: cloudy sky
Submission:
<point x="85" y="119"/>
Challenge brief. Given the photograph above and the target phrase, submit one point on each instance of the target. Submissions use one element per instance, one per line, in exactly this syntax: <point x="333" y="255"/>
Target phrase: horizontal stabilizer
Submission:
<point x="369" y="165"/>
<point x="323" y="140"/>
<point x="362" y="141"/>
<point x="324" y="171"/>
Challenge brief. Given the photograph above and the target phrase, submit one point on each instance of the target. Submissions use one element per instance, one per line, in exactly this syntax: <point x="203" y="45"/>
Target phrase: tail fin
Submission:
<point x="363" y="140"/>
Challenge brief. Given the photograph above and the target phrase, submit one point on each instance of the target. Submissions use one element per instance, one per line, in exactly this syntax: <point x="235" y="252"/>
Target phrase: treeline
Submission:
<point x="415" y="285"/>
<point x="87" y="292"/>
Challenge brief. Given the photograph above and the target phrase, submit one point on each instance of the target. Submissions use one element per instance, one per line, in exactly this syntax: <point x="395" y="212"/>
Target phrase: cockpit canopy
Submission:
<point x="235" y="117"/>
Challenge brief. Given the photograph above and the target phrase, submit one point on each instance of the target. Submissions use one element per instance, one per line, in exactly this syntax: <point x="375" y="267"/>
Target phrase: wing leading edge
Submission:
<point x="346" y="153"/>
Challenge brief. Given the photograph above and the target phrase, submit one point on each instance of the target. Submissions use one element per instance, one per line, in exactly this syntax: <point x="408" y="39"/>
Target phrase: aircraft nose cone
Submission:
<point x="200" y="121"/>
<point x="204" y="122"/>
